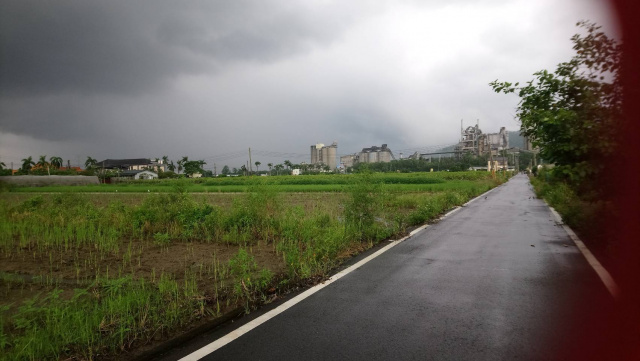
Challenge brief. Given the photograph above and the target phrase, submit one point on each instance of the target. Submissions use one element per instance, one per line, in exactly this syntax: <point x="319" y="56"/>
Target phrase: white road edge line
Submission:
<point x="198" y="354"/>
<point x="604" y="275"/>
<point x="206" y="350"/>
<point x="457" y="208"/>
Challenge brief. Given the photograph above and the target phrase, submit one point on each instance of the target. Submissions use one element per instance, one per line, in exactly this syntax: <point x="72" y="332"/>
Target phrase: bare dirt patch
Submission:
<point x="26" y="273"/>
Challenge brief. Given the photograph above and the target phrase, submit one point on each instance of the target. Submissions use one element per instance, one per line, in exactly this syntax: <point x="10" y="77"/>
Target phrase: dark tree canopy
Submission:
<point x="571" y="113"/>
<point x="193" y="166"/>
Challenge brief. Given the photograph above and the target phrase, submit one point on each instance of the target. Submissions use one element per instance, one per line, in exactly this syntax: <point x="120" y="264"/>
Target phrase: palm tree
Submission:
<point x="2" y="165"/>
<point x="279" y="167"/>
<point x="56" y="162"/>
<point x="90" y="163"/>
<point x="257" y="167"/>
<point x="165" y="161"/>
<point x="181" y="163"/>
<point x="171" y="166"/>
<point x="27" y="164"/>
<point x="42" y="163"/>
<point x="287" y="163"/>
<point x="244" y="169"/>
<point x="270" y="165"/>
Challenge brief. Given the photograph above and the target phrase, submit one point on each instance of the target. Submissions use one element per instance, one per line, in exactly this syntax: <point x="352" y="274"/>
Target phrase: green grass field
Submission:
<point x="88" y="273"/>
<point x="403" y="182"/>
<point x="203" y="188"/>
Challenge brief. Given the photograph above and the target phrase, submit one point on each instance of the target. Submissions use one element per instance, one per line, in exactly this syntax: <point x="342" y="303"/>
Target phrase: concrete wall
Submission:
<point x="347" y="160"/>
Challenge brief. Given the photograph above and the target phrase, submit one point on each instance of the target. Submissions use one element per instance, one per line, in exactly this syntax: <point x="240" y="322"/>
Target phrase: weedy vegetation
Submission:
<point x="87" y="277"/>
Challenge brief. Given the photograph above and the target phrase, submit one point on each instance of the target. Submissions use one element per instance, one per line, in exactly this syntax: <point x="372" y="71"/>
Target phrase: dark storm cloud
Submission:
<point x="57" y="117"/>
<point x="198" y="78"/>
<point x="65" y="46"/>
<point x="124" y="47"/>
<point x="57" y="56"/>
<point x="250" y="31"/>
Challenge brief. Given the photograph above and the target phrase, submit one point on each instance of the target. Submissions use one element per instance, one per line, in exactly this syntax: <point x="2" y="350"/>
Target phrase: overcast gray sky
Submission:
<point x="209" y="79"/>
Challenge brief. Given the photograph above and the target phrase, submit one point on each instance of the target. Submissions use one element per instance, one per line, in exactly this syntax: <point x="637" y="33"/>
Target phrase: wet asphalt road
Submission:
<point x="496" y="280"/>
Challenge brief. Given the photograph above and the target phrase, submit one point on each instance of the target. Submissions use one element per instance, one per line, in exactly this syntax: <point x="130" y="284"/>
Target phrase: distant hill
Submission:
<point x="515" y="139"/>
<point x="450" y="148"/>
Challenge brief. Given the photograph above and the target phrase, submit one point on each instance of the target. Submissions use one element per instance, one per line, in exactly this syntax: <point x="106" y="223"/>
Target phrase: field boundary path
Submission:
<point x="498" y="279"/>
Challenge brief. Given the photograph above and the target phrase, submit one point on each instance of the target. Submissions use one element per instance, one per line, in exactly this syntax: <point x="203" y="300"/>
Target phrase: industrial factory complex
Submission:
<point x="327" y="155"/>
<point x="373" y="154"/>
<point x="472" y="141"/>
<point x="477" y="143"/>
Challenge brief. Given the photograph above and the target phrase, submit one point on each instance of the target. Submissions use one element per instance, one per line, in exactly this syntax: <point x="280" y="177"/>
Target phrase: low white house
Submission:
<point x="295" y="172"/>
<point x="139" y="174"/>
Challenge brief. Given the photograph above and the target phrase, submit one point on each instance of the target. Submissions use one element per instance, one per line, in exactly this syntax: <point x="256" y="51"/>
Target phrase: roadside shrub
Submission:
<point x="249" y="281"/>
<point x="176" y="214"/>
<point x="364" y="202"/>
<point x="254" y="214"/>
<point x="167" y="174"/>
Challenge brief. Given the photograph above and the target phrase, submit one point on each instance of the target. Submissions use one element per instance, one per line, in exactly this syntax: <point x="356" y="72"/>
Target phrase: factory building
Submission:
<point x="470" y="139"/>
<point x="497" y="141"/>
<point x="373" y="154"/>
<point x="473" y="141"/>
<point x="327" y="155"/>
<point x="347" y="161"/>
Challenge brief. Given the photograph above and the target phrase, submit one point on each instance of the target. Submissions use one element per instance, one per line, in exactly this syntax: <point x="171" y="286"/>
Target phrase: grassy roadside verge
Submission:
<point x="103" y="279"/>
<point x="584" y="214"/>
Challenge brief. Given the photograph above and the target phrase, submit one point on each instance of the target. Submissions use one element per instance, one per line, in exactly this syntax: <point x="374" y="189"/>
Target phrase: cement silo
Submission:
<point x="327" y="155"/>
<point x="329" y="158"/>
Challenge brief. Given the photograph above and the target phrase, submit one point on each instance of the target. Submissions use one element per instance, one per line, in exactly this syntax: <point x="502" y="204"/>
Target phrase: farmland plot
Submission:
<point x="93" y="275"/>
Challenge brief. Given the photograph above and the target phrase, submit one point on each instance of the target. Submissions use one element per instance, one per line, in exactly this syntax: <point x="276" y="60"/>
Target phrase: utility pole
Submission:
<point x="215" y="172"/>
<point x="250" y="170"/>
<point x="11" y="168"/>
<point x="491" y="166"/>
<point x="477" y="137"/>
